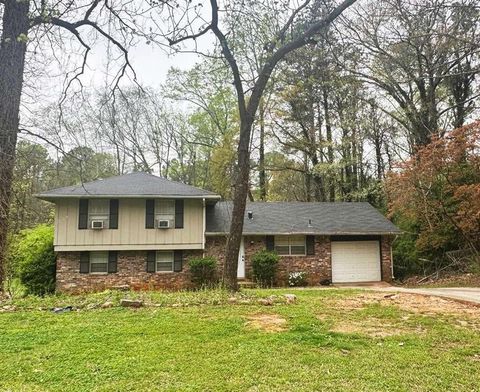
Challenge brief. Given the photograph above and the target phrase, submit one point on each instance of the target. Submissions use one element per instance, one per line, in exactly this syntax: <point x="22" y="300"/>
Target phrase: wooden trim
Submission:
<point x="79" y="248"/>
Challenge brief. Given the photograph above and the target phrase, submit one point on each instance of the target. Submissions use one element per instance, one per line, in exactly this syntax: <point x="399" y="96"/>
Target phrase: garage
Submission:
<point x="356" y="261"/>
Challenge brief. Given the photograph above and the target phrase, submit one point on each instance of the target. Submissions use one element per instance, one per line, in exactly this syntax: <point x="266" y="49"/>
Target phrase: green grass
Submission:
<point x="200" y="342"/>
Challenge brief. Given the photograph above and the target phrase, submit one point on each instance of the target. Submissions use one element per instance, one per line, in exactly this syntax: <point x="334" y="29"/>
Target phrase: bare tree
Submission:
<point x="292" y="29"/>
<point x="28" y="22"/>
<point x="423" y="57"/>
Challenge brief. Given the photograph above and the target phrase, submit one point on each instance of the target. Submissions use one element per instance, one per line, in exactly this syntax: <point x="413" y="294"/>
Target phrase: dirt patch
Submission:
<point x="447" y="279"/>
<point x="415" y="303"/>
<point x="465" y="315"/>
<point x="375" y="328"/>
<point x="267" y="322"/>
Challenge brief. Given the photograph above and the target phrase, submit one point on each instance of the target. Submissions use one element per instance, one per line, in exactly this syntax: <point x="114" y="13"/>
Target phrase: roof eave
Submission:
<point x="53" y="197"/>
<point x="213" y="233"/>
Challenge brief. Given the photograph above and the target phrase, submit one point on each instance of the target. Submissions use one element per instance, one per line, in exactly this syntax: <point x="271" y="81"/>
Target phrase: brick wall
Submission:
<point x="386" y="252"/>
<point x="131" y="267"/>
<point x="318" y="266"/>
<point x="215" y="247"/>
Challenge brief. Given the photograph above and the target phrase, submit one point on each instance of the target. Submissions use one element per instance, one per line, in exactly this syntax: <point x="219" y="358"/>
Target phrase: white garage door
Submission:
<point x="355" y="261"/>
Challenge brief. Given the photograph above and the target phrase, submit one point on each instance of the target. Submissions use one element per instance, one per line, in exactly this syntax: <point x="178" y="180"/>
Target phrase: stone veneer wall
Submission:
<point x="131" y="267"/>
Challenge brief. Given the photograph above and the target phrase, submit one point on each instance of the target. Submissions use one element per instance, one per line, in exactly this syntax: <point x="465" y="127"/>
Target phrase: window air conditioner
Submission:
<point x="97" y="224"/>
<point x="163" y="224"/>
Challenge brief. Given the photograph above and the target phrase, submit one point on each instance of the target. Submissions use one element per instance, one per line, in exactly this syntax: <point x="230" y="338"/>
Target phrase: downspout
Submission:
<point x="391" y="255"/>
<point x="204" y="224"/>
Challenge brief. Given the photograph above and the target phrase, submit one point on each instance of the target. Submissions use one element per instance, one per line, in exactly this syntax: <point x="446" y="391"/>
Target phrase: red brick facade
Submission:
<point x="131" y="267"/>
<point x="386" y="256"/>
<point x="131" y="271"/>
<point x="317" y="266"/>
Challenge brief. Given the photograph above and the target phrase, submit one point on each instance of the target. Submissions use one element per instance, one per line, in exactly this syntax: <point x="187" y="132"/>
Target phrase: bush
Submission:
<point x="297" y="279"/>
<point x="264" y="264"/>
<point x="33" y="258"/>
<point x="203" y="271"/>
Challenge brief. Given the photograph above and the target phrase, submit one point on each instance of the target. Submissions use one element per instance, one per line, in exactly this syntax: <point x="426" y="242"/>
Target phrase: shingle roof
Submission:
<point x="129" y="185"/>
<point x="293" y="217"/>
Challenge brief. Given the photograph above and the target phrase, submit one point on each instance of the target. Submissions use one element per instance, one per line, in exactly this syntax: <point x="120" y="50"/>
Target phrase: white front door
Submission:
<point x="355" y="261"/>
<point x="241" y="261"/>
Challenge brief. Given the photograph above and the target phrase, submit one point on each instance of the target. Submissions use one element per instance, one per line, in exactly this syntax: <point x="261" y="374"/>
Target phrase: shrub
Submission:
<point x="297" y="279"/>
<point x="203" y="271"/>
<point x="264" y="264"/>
<point x="34" y="259"/>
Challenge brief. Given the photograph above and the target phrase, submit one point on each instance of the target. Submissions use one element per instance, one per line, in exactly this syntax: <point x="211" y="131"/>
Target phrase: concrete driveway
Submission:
<point x="468" y="294"/>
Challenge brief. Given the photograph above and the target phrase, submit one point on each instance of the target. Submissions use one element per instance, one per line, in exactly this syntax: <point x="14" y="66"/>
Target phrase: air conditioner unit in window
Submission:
<point x="163" y="224"/>
<point x="97" y="224"/>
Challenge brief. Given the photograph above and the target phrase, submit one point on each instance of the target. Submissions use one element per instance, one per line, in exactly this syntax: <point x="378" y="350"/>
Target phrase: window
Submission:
<point x="99" y="209"/>
<point x="165" y="210"/>
<point x="164" y="261"/>
<point x="290" y="245"/>
<point x="98" y="262"/>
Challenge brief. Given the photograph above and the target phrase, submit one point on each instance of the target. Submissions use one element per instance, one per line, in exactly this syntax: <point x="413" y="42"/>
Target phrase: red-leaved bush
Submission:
<point x="438" y="189"/>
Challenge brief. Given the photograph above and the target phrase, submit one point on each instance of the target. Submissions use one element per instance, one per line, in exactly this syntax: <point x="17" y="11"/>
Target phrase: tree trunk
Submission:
<point x="328" y="127"/>
<point x="13" y="45"/>
<point x="239" y="204"/>
<point x="378" y="156"/>
<point x="307" y="178"/>
<point x="262" y="177"/>
<point x="247" y="114"/>
<point x="354" y="161"/>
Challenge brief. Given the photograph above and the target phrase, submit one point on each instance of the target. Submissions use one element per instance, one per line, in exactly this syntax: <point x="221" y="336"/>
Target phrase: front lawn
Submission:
<point x="335" y="340"/>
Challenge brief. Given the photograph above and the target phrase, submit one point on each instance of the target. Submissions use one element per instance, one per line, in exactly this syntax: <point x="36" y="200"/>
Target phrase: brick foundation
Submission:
<point x="131" y="267"/>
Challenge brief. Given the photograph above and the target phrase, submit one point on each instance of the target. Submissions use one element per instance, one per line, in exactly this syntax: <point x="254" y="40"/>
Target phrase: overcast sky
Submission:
<point x="150" y="62"/>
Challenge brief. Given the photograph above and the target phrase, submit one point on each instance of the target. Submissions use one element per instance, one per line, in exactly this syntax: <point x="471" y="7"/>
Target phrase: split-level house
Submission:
<point x="140" y="230"/>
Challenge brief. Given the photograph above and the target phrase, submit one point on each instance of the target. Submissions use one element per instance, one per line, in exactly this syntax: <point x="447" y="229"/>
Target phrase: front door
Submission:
<point x="241" y="261"/>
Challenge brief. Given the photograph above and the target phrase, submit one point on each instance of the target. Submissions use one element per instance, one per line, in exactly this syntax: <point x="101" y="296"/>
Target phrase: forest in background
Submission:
<point x="378" y="108"/>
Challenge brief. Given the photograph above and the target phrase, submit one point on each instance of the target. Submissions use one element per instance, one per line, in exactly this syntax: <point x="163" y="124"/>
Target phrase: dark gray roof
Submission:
<point x="293" y="217"/>
<point x="129" y="185"/>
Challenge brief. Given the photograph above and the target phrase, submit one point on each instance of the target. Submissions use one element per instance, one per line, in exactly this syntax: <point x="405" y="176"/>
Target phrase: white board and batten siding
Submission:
<point x="356" y="261"/>
<point x="131" y="233"/>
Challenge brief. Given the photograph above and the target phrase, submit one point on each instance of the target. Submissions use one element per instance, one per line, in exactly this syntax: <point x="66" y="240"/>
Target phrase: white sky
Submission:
<point x="150" y="62"/>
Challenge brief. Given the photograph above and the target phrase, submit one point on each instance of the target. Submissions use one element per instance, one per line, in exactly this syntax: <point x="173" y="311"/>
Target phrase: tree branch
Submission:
<point x="230" y="59"/>
<point x="290" y="47"/>
<point x="172" y="42"/>
<point x="282" y="32"/>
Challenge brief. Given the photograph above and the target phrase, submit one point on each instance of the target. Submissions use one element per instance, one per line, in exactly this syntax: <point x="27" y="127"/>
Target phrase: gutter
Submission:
<point x="52" y="197"/>
<point x="210" y="233"/>
<point x="391" y="255"/>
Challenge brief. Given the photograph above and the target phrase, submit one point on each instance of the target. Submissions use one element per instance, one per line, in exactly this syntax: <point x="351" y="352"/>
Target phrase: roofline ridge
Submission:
<point x="73" y="187"/>
<point x="82" y="184"/>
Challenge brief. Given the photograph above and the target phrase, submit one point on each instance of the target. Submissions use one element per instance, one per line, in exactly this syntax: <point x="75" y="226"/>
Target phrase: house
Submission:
<point x="140" y="230"/>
